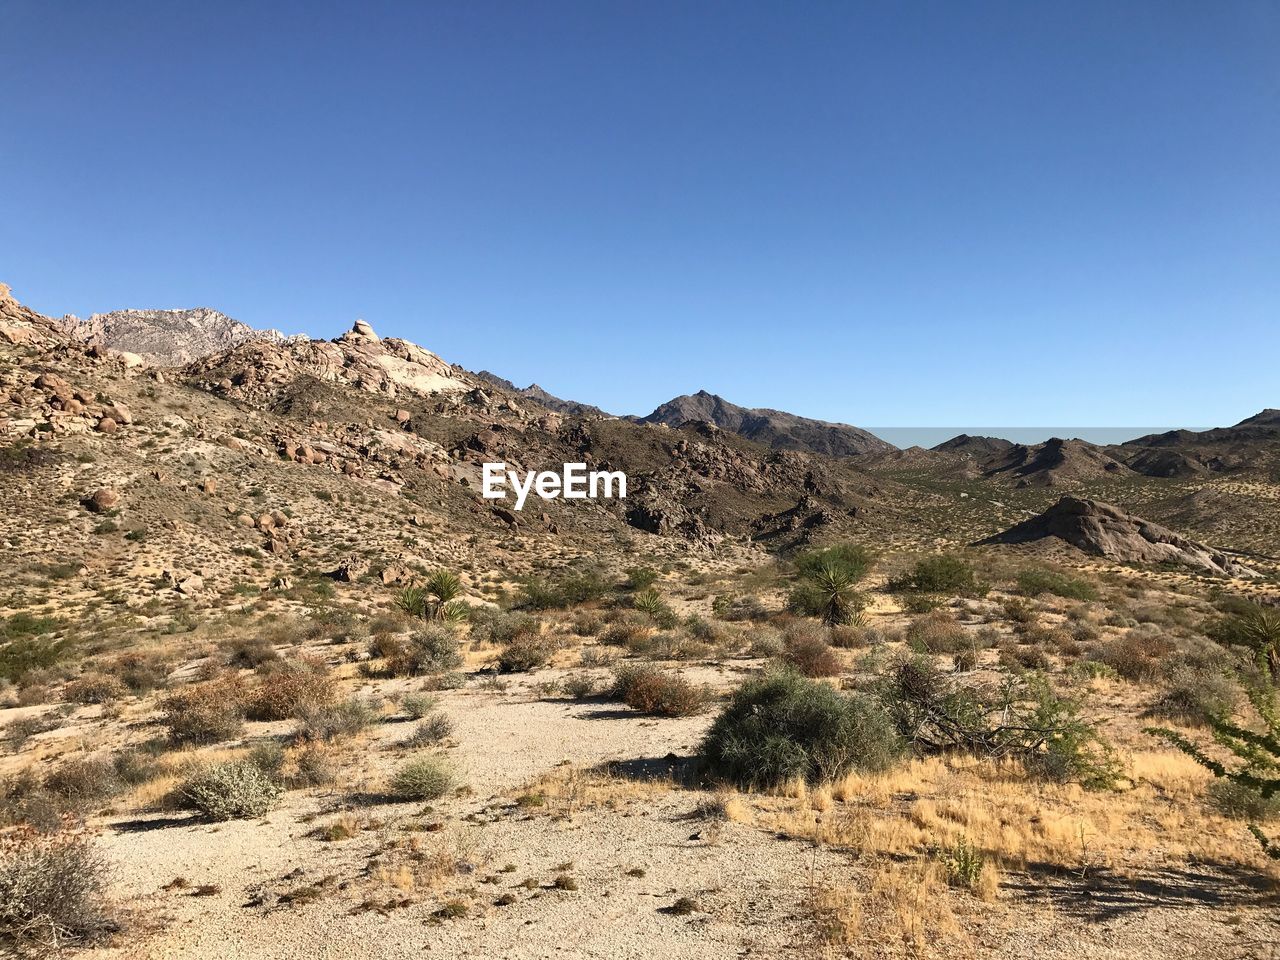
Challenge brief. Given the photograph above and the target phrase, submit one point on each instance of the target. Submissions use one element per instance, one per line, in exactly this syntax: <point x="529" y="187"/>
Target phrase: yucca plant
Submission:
<point x="1258" y="754"/>
<point x="1261" y="631"/>
<point x="828" y="592"/>
<point x="442" y="589"/>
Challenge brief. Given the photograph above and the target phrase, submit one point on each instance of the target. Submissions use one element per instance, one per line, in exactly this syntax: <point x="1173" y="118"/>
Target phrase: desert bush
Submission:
<point x="526" y="649"/>
<point x="765" y="641"/>
<point x="580" y="686"/>
<point x="1035" y="581"/>
<point x="1255" y="754"/>
<point x="425" y="778"/>
<point x="627" y="633"/>
<point x="418" y="705"/>
<point x="1258" y="630"/>
<point x="434" y="649"/>
<point x="329" y="721"/>
<point x="809" y="653"/>
<point x="1239" y="802"/>
<point x="656" y="692"/>
<point x="289" y="689"/>
<point x="847" y="637"/>
<point x="207" y="712"/>
<point x="269" y="757"/>
<point x="97" y="688"/>
<point x="231" y="790"/>
<point x="430" y="731"/>
<point x="83" y="781"/>
<point x="436" y="599"/>
<point x="1023" y="719"/>
<point x="1194" y="697"/>
<point x="141" y="673"/>
<point x="1017" y="657"/>
<point x="736" y="608"/>
<point x="641" y="578"/>
<point x="23" y="653"/>
<point x="938" y="632"/>
<point x="52" y="890"/>
<point x="943" y="573"/>
<point x="250" y="652"/>
<point x="314" y="766"/>
<point x="1021" y="611"/>
<point x="566" y="590"/>
<point x="1136" y="655"/>
<point x="827" y="584"/>
<point x="785" y="727"/>
<point x="650" y="603"/>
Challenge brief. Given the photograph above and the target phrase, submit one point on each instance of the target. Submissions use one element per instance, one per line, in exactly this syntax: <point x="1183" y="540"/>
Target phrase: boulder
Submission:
<point x="107" y="425"/>
<point x="102" y="500"/>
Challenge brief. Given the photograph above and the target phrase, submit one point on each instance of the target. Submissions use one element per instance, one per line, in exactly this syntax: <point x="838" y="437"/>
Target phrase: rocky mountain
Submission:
<point x="539" y="396"/>
<point x="772" y="428"/>
<point x="1250" y="445"/>
<point x="168" y="338"/>
<point x="1107" y="531"/>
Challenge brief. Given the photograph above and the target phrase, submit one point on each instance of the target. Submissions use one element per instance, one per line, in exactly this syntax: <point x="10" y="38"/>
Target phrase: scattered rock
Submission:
<point x="102" y="500"/>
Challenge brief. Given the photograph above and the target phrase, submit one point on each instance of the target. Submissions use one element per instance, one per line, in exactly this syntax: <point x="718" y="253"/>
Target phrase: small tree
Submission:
<point x="1258" y="769"/>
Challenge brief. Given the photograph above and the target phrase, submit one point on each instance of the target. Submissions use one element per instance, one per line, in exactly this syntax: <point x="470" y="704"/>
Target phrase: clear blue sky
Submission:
<point x="881" y="213"/>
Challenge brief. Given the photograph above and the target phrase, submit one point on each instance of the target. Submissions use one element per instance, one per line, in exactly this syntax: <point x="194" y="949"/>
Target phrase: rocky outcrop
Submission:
<point x="168" y="338"/>
<point x="256" y="371"/>
<point x="1107" y="531"/>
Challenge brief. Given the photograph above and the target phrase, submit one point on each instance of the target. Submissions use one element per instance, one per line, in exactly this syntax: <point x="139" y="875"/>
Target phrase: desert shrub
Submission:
<point x="1021" y="611"/>
<point x="785" y="727"/>
<point x="827" y="584"/>
<point x="329" y="721"/>
<point x="848" y="637"/>
<point x="95" y="688"/>
<point x="965" y="660"/>
<point x="430" y="731"/>
<point x="207" y="712"/>
<point x="1023" y="718"/>
<point x="269" y="757"/>
<point x="1239" y="802"/>
<point x="920" y="602"/>
<point x="250" y="652"/>
<point x="290" y="689"/>
<point x="434" y="649"/>
<point x="942" y="573"/>
<point x="1025" y="657"/>
<point x="809" y="653"/>
<point x="83" y="781"/>
<point x="141" y="673"/>
<point x="1258" y="630"/>
<point x="314" y="766"/>
<point x="1136" y="655"/>
<point x="1194" y="697"/>
<point x="938" y="632"/>
<point x="657" y="692"/>
<point x="566" y="590"/>
<point x="22" y="654"/>
<point x="765" y="641"/>
<point x="418" y="705"/>
<point x="1037" y="580"/>
<point x="736" y="608"/>
<point x="137" y="765"/>
<point x="425" y="778"/>
<point x="641" y="578"/>
<point x="580" y="686"/>
<point x="231" y="790"/>
<point x="52" y="890"/>
<point x="526" y="649"/>
<point x="626" y="633"/>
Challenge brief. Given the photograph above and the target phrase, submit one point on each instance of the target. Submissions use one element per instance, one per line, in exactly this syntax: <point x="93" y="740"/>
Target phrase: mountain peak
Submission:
<point x="170" y="337"/>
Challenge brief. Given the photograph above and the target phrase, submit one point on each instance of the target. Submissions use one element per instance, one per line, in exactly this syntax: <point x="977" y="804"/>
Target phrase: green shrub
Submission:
<point x="418" y="705"/>
<point x="651" y="604"/>
<point x="1194" y="697"/>
<point x="426" y="778"/>
<point x="938" y="632"/>
<point x="1037" y="580"/>
<point x="231" y="790"/>
<point x="653" y="691"/>
<point x="526" y="651"/>
<point x="434" y="649"/>
<point x="640" y="578"/>
<point x="207" y="712"/>
<point x="83" y="781"/>
<point x="943" y="573"/>
<point x="325" y="722"/>
<point x="430" y="731"/>
<point x="784" y="726"/>
<point x="809" y="653"/>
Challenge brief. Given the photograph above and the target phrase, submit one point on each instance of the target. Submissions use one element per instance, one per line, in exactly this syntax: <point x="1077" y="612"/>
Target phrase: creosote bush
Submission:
<point x="288" y="689"/>
<point x="785" y="727"/>
<point x="650" y="690"/>
<point x="433" y="649"/>
<point x="806" y="650"/>
<point x="1036" y="581"/>
<point x="425" y="778"/>
<point x="231" y="790"/>
<point x="206" y="712"/>
<point x="943" y="573"/>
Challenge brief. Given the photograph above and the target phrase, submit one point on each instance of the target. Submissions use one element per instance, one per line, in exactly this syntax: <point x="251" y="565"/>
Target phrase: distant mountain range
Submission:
<point x="538" y="395"/>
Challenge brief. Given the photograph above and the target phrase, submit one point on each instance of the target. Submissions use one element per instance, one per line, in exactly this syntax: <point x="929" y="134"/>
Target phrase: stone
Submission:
<point x="103" y="499"/>
<point x="107" y="425"/>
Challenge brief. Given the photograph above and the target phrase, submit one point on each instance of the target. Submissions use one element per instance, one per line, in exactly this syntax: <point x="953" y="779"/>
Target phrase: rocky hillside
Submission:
<point x="537" y="395"/>
<point x="168" y="338"/>
<point x="1107" y="531"/>
<point x="772" y="428"/>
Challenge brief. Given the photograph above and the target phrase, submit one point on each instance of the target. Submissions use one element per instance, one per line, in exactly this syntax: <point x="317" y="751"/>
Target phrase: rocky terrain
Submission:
<point x="276" y="681"/>
<point x="537" y="395"/>
<point x="168" y="338"/>
<point x="774" y="429"/>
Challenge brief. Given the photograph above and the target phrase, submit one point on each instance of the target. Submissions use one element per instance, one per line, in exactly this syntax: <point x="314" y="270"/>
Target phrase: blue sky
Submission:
<point x="880" y="213"/>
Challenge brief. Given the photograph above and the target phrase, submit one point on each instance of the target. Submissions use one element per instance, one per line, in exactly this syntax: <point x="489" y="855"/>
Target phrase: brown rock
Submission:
<point x="209" y="485"/>
<point x="350" y="570"/>
<point x="245" y="520"/>
<point x="395" y="573"/>
<point x="103" y="499"/>
<point x="403" y="416"/>
<point x="265" y="522"/>
<point x="107" y="425"/>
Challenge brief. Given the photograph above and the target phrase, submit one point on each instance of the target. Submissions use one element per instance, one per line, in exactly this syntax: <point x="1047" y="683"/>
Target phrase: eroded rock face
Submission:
<point x="1107" y="531"/>
<point x="166" y="337"/>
